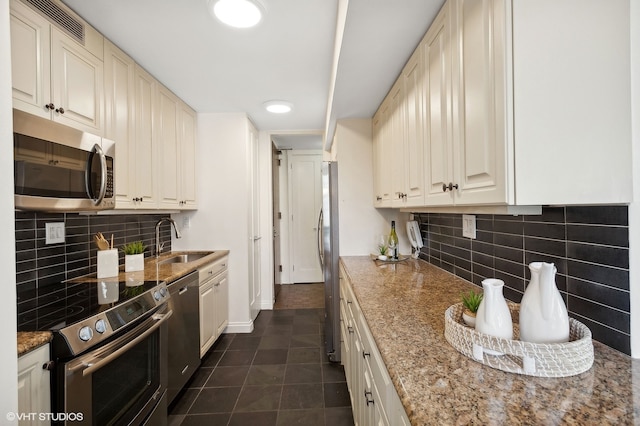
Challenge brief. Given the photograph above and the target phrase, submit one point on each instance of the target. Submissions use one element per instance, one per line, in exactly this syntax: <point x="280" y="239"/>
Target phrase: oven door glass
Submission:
<point x="119" y="383"/>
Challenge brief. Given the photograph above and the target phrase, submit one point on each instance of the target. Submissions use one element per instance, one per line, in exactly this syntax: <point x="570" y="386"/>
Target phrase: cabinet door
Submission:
<point x="414" y="118"/>
<point x="221" y="290"/>
<point x="119" y="82"/>
<point x="481" y="133"/>
<point x="77" y="84"/>
<point x="187" y="142"/>
<point x="377" y="160"/>
<point x="207" y="317"/>
<point x="383" y="167"/>
<point x="396" y="143"/>
<point x="33" y="384"/>
<point x="144" y="185"/>
<point x="436" y="49"/>
<point x="169" y="159"/>
<point x="30" y="60"/>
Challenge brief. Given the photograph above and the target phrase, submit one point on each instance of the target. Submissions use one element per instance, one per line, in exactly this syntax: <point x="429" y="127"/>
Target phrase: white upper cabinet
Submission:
<point x="438" y="143"/>
<point x="95" y="87"/>
<point x="187" y="139"/>
<point x="54" y="75"/>
<point x="129" y="106"/>
<point x="413" y="162"/>
<point x="571" y="109"/>
<point x="166" y="127"/>
<point x="396" y="158"/>
<point x="382" y="149"/>
<point x="175" y="130"/>
<point x="524" y="104"/>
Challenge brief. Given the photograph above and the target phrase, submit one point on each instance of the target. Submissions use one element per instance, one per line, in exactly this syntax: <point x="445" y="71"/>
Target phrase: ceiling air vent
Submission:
<point x="60" y="17"/>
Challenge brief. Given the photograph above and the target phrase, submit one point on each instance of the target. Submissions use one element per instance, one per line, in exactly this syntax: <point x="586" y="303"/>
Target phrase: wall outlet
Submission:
<point x="469" y="226"/>
<point x="186" y="221"/>
<point x="54" y="232"/>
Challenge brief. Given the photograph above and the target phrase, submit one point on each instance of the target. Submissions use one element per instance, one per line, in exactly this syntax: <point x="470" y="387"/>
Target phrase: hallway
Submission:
<point x="276" y="375"/>
<point x="299" y="296"/>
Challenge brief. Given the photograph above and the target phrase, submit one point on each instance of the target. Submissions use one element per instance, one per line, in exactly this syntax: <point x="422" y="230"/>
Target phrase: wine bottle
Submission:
<point x="393" y="241"/>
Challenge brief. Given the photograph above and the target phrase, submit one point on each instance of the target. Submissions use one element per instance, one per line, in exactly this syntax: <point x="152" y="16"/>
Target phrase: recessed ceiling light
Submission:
<point x="278" y="107"/>
<point x="237" y="13"/>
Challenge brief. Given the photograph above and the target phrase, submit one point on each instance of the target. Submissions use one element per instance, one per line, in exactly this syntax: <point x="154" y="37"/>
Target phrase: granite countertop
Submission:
<point x="30" y="340"/>
<point x="155" y="270"/>
<point x="404" y="305"/>
<point x="172" y="271"/>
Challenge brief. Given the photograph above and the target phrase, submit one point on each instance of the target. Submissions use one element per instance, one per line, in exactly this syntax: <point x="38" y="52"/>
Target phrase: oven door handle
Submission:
<point x="94" y="366"/>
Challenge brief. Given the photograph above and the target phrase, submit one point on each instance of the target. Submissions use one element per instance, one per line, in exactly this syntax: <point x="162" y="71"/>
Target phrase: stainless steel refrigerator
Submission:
<point x="328" y="251"/>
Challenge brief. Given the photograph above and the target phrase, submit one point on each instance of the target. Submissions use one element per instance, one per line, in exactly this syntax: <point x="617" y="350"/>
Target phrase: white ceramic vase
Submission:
<point x="493" y="316"/>
<point x="543" y="314"/>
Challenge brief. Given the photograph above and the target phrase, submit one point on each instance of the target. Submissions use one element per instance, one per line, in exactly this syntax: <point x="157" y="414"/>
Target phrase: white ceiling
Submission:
<point x="288" y="56"/>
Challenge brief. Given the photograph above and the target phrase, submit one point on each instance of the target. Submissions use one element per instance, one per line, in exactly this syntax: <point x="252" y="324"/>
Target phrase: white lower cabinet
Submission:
<point x="214" y="303"/>
<point x="33" y="385"/>
<point x="373" y="397"/>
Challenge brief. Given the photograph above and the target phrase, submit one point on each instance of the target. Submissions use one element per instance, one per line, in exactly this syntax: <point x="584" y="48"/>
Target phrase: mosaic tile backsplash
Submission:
<point x="589" y="246"/>
<point x="41" y="267"/>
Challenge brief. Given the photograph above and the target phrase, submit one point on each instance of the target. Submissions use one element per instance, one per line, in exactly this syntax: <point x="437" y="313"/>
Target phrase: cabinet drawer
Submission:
<point x="213" y="269"/>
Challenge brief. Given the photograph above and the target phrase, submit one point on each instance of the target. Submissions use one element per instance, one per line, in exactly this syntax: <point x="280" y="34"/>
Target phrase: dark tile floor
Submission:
<point x="276" y="375"/>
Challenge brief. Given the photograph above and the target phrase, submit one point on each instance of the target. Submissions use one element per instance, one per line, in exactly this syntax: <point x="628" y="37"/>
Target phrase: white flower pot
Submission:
<point x="134" y="262"/>
<point x="470" y="320"/>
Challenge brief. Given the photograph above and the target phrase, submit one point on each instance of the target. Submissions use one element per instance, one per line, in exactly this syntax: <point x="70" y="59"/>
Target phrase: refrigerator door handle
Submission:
<point x="320" y="242"/>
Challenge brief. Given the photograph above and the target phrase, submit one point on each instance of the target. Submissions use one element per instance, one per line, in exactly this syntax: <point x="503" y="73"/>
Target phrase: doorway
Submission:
<point x="295" y="189"/>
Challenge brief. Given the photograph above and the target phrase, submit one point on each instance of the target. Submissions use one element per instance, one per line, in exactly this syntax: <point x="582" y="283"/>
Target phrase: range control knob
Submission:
<point x="85" y="334"/>
<point x="163" y="291"/>
<point x="156" y="295"/>
<point x="101" y="326"/>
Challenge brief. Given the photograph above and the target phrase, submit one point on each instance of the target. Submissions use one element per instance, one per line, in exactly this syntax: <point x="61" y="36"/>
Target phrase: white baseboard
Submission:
<point x="239" y="327"/>
<point x="267" y="305"/>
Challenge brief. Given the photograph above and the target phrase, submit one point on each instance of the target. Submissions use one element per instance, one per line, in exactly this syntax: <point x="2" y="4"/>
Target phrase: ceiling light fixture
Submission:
<point x="278" y="107"/>
<point x="237" y="13"/>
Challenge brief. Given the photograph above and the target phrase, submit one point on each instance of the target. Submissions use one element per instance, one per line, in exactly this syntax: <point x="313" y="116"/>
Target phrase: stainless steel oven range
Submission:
<point x="109" y="354"/>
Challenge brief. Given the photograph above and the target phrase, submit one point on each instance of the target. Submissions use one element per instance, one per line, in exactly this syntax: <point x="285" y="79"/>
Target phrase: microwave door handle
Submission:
<point x="103" y="175"/>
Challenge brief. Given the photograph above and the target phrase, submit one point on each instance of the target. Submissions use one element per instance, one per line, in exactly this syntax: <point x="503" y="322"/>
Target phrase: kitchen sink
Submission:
<point x="184" y="258"/>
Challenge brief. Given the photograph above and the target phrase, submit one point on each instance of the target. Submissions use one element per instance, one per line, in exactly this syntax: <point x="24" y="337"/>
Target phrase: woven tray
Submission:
<point x="531" y="359"/>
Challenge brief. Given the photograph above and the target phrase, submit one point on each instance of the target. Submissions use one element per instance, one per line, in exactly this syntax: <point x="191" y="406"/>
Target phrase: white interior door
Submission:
<point x="306" y="202"/>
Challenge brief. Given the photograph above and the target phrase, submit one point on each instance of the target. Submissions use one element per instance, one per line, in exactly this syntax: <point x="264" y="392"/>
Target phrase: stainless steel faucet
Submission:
<point x="175" y="228"/>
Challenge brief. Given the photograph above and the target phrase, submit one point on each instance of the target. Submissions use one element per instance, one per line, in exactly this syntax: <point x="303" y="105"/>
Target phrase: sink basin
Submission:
<point x="184" y="258"/>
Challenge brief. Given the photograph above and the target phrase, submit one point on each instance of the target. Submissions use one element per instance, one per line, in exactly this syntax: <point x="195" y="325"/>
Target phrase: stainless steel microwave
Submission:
<point x="59" y="168"/>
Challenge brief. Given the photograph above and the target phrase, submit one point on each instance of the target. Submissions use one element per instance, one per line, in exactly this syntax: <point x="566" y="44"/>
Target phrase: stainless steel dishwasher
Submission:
<point x="184" y="335"/>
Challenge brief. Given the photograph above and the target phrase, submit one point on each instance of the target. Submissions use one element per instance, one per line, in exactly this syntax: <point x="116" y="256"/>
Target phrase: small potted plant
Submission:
<point x="471" y="302"/>
<point x="382" y="251"/>
<point x="134" y="256"/>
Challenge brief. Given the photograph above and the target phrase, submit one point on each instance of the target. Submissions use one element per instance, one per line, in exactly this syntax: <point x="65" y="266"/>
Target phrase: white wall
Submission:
<point x="221" y="221"/>
<point x="8" y="350"/>
<point x="634" y="208"/>
<point x="360" y="222"/>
